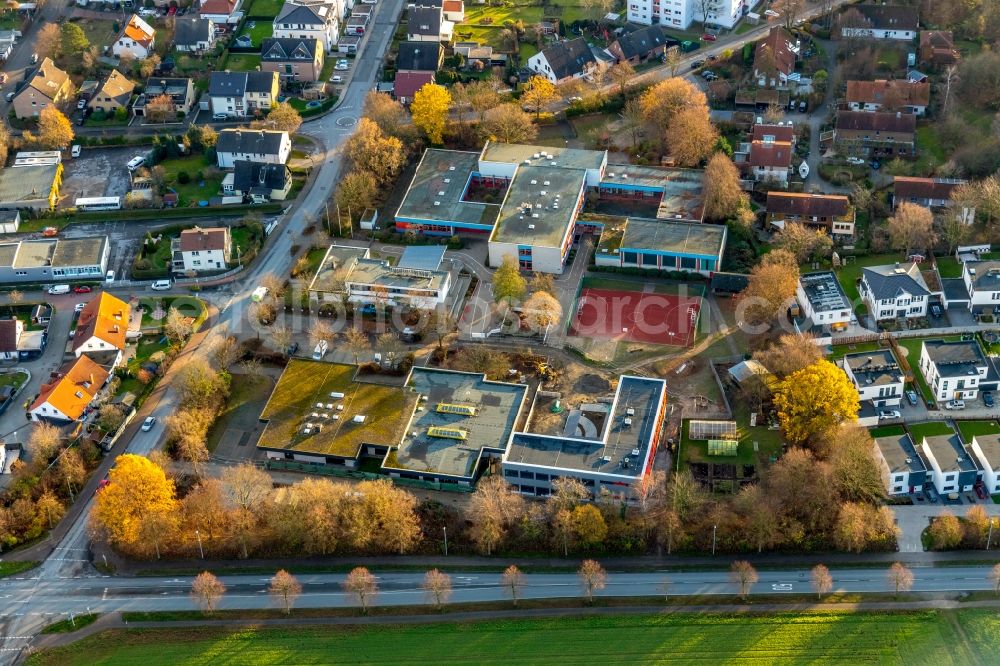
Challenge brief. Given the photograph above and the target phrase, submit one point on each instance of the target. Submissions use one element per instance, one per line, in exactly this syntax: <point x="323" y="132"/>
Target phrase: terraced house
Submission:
<point x="293" y="59"/>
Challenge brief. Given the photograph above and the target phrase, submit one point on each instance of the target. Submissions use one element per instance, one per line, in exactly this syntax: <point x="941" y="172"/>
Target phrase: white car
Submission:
<point x="336" y="78"/>
<point x="135" y="162"/>
<point x="75" y="150"/>
<point x="148" y="424"/>
<point x="160" y="285"/>
<point x="955" y="404"/>
<point x="79" y="307"/>
<point x="890" y="414"/>
<point x="857" y="161"/>
<point x="342" y="65"/>
<point x="82" y="104"/>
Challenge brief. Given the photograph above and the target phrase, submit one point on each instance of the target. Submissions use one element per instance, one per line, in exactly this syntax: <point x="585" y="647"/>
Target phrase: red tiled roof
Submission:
<point x="818" y="205"/>
<point x="199" y="239"/>
<point x="75" y="389"/>
<point x="907" y="187"/>
<point x="217" y="7"/>
<point x="780" y="43"/>
<point x="875" y="92"/>
<point x="408" y="83"/>
<point x="779" y="132"/>
<point x="770" y="154"/>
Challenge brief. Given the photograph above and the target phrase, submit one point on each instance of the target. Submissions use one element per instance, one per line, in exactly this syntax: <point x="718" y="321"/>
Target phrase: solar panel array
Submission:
<point x="704" y="430"/>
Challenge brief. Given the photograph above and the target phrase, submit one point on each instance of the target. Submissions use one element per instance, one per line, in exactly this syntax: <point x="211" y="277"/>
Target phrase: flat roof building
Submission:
<point x="662" y="244"/>
<point x="33" y="186"/>
<point x="435" y="204"/>
<point x="678" y="193"/>
<point x="440" y="426"/>
<point x="54" y="259"/>
<point x="350" y="272"/>
<point x="823" y="299"/>
<point x="951" y="467"/>
<point x="986" y="447"/>
<point x="606" y="444"/>
<point x="877" y="377"/>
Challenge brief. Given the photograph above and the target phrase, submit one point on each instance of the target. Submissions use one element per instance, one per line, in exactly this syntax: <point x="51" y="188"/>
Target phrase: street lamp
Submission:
<point x="201" y="550"/>
<point x="445" y="530"/>
<point x="989" y="536"/>
<point x="714" y="528"/>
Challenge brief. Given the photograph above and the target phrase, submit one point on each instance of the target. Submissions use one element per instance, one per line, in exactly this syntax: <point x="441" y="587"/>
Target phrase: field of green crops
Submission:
<point x="928" y="637"/>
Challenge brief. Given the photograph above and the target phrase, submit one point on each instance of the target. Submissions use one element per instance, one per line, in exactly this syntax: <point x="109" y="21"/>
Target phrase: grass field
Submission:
<point x="949" y="267"/>
<point x="246" y="398"/>
<point x="929" y="429"/>
<point x="15" y="379"/>
<point x="260" y="31"/>
<point x="195" y="189"/>
<point x="970" y="429"/>
<point x="929" y="637"/>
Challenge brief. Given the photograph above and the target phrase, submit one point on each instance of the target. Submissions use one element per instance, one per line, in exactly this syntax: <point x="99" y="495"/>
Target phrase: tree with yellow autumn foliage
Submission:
<point x="136" y="488"/>
<point x="814" y="400"/>
<point x="430" y="111"/>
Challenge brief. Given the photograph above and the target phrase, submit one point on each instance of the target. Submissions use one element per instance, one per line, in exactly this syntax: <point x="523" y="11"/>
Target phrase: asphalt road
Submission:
<point x="38" y="601"/>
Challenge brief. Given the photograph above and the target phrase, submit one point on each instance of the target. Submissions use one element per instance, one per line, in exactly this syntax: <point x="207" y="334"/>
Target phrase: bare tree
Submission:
<point x="994" y="577"/>
<point x="177" y="326"/>
<point x="274" y="284"/>
<point x="513" y="581"/>
<point x="286" y="589"/>
<point x="665" y="587"/>
<point x="592" y="577"/>
<point x="911" y="228"/>
<point x="207" y="590"/>
<point x="282" y="337"/>
<point x="744" y="576"/>
<point x="357" y="343"/>
<point x="438" y="587"/>
<point x="900" y="577"/>
<point x="252" y="368"/>
<point x="362" y="584"/>
<point x="15" y="296"/>
<point x="226" y="351"/>
<point x="822" y="581"/>
<point x="321" y="331"/>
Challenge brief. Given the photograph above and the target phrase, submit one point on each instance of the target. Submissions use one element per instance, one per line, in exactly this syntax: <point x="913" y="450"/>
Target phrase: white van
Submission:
<point x="135" y="162"/>
<point x="160" y="285"/>
<point x="259" y="294"/>
<point x="57" y="289"/>
<point x="109" y="278"/>
<point x="320" y="351"/>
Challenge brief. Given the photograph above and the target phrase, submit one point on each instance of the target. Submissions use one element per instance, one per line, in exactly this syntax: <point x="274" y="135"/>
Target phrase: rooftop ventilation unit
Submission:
<point x="534" y="182"/>
<point x="531" y="226"/>
<point x="451" y="408"/>
<point x="437" y="203"/>
<point x="447" y="180"/>
<point x="451" y="168"/>
<point x="545" y="182"/>
<point x="359" y="418"/>
<point x="448" y="433"/>
<point x="441" y="193"/>
<point x="606" y="459"/>
<point x="336" y="394"/>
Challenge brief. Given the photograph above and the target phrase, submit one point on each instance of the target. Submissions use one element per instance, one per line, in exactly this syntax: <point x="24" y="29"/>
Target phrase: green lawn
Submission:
<point x="246" y="398"/>
<point x="838" y="352"/>
<point x="261" y="8"/>
<point x="625" y="283"/>
<point x="70" y="625"/>
<point x="887" y="431"/>
<point x="242" y="62"/>
<point x="970" y="429"/>
<point x="147" y="346"/>
<point x="929" y="429"/>
<point x="15" y="567"/>
<point x="949" y="267"/>
<point x="195" y="190"/>
<point x="928" y="637"/>
<point x="768" y="442"/>
<point x="15" y="379"/>
<point x="258" y="33"/>
<point x="98" y="31"/>
<point x="186" y="305"/>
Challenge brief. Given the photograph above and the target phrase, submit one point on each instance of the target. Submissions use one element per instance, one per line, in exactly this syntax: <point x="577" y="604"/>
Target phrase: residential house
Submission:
<point x="823" y="300"/>
<point x="198" y="249"/>
<point x="951" y="468"/>
<point x="937" y="48"/>
<point x="878" y="134"/>
<point x="114" y="93"/>
<point x="903" y="469"/>
<point x="892" y="95"/>
<point x="880" y="22"/>
<point x="781" y="131"/>
<point x="69" y="394"/>
<point x="894" y="291"/>
<point x="451" y="10"/>
<point x="563" y="61"/>
<point x="194" y="34"/>
<point x="419" y="56"/>
<point x="221" y="12"/>
<point x="982" y="283"/>
<point x="428" y="24"/>
<point x="319" y="21"/>
<point x="259" y="182"/>
<point x="953" y="370"/>
<point x="180" y="92"/>
<point x="774" y="58"/>
<point x="408" y="83"/>
<point x="770" y="161"/>
<point x="986" y="447"/>
<point x="293" y="59"/>
<point x="241" y="94"/>
<point x="266" y="146"/>
<point x="642" y="44"/>
<point x="877" y="377"/>
<point x="831" y="212"/>
<point x="10" y="334"/>
<point x="927" y="192"/>
<point x="680" y="14"/>
<point x="481" y="56"/>
<point x="46" y="85"/>
<point x="101" y="329"/>
<point x="137" y="39"/>
<point x="8" y="39"/>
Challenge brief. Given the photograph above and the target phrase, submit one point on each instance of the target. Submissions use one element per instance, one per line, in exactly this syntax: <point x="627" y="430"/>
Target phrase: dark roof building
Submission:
<point x="259" y="178"/>
<point x="642" y="43"/>
<point x="889" y="17"/>
<point x="424" y="21"/>
<point x="563" y="60"/>
<point x="238" y="84"/>
<point x="260" y="142"/>
<point x="923" y="191"/>
<point x="860" y="121"/>
<point x="886" y="282"/>
<point x="191" y="31"/>
<point x="274" y="49"/>
<point x="808" y="205"/>
<point x="419" y="56"/>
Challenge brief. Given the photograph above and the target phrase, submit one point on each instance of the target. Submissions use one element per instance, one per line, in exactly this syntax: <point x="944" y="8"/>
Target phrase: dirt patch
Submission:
<point x="592" y="384"/>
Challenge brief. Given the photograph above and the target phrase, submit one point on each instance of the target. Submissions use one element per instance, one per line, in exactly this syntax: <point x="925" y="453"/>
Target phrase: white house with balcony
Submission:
<point x="986" y="448"/>
<point x="894" y="291"/>
<point x="200" y="249"/>
<point x="877" y="377"/>
<point x="310" y="20"/>
<point x="953" y="370"/>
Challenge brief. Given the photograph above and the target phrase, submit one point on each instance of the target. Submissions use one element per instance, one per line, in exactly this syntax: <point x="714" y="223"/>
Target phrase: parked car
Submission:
<point x="343" y="65"/>
<point x="3" y="77"/>
<point x="955" y="404"/>
<point x="336" y="78"/>
<point x="889" y="414"/>
<point x="697" y="63"/>
<point x="292" y="349"/>
<point x="875" y="165"/>
<point x="58" y="289"/>
<point x="135" y="162"/>
<point x="109" y="278"/>
<point x="160" y="285"/>
<point x="708" y="37"/>
<point x="857" y="161"/>
<point x="79" y="307"/>
<point x="912" y="397"/>
<point x="75" y="151"/>
<point x="709" y="75"/>
<point x="10" y="96"/>
<point x="320" y="351"/>
<point x="980" y="491"/>
<point x="803" y="106"/>
<point x="81" y="104"/>
<point x="82" y="289"/>
<point x="148" y="424"/>
<point x="34" y="58"/>
<point x="936" y="311"/>
<point x="988" y="398"/>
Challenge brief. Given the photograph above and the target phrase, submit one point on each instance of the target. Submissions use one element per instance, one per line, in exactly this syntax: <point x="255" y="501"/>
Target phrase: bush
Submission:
<point x="183" y="177"/>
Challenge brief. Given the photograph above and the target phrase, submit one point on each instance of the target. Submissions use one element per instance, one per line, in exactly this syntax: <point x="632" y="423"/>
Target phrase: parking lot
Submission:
<point x="98" y="172"/>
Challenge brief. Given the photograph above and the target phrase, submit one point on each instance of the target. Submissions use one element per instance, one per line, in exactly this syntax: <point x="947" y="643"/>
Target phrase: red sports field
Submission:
<point x="663" y="319"/>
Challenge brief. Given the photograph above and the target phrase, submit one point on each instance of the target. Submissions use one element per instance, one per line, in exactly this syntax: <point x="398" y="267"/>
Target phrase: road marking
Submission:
<point x="104" y="597"/>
